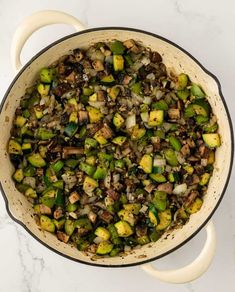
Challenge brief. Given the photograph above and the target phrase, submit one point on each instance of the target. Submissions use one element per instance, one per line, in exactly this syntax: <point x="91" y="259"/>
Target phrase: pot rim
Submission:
<point x="227" y="113"/>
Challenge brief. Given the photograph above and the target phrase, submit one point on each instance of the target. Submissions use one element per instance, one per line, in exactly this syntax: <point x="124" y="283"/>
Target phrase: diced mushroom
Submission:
<point x="204" y="162"/>
<point x="44" y="209"/>
<point x="92" y="216"/>
<point x="74" y="197"/>
<point x="106" y="132"/>
<point x="149" y="188"/>
<point x="101" y="95"/>
<point x="72" y="151"/>
<point x="165" y="187"/>
<point x="191" y="143"/>
<point x="195" y="179"/>
<point x="83" y="117"/>
<point x="58" y="213"/>
<point x="106" y="216"/>
<point x="78" y="55"/>
<point x="98" y="65"/>
<point x="141" y="231"/>
<point x="135" y="50"/>
<point x="192" y="196"/>
<point x="156" y="57"/>
<point x="127" y="79"/>
<point x="62" y="236"/>
<point x="71" y="78"/>
<point x="129" y="44"/>
<point x="113" y="194"/>
<point x="174" y="113"/>
<point x="185" y="150"/>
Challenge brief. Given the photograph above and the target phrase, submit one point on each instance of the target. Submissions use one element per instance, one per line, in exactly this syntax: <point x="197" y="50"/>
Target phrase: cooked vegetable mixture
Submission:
<point x="112" y="150"/>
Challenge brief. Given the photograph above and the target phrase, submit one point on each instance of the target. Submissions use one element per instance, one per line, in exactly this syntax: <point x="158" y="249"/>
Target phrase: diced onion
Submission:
<point x="130" y="121"/>
<point x="147" y="100"/>
<point x="150" y="76"/>
<point x="180" y="189"/>
<point x="180" y="157"/>
<point x="98" y="240"/>
<point x="159" y="162"/>
<point x="96" y="104"/>
<point x="144" y="117"/>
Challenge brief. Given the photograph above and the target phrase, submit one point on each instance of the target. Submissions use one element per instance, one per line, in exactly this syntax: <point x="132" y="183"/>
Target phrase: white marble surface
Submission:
<point x="203" y="27"/>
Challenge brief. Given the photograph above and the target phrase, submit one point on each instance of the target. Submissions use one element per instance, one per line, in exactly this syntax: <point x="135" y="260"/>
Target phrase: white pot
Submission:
<point x="176" y="59"/>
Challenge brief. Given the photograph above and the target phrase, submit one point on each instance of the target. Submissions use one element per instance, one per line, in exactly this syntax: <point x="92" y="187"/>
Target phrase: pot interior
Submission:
<point x="177" y="61"/>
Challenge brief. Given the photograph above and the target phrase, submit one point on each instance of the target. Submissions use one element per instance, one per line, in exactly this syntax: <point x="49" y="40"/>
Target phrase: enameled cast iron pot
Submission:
<point x="175" y="58"/>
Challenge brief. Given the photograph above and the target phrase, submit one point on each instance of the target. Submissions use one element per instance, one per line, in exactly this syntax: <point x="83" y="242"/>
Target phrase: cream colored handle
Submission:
<point x="32" y="23"/>
<point x="193" y="270"/>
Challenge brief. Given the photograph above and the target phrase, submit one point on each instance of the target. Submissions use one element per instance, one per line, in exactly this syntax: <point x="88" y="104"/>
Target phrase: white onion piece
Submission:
<point x="159" y="94"/>
<point x="145" y="60"/>
<point x="97" y="240"/>
<point x="144" y="117"/>
<point x="147" y="100"/>
<point x="127" y="248"/>
<point x="180" y="157"/>
<point x="107" y="181"/>
<point x="166" y="126"/>
<point x="130" y="121"/>
<point x="150" y="76"/>
<point x="180" y="189"/>
<point x="116" y="177"/>
<point x="97" y="104"/>
<point x="159" y="162"/>
<point x="143" y="209"/>
<point x="85" y="210"/>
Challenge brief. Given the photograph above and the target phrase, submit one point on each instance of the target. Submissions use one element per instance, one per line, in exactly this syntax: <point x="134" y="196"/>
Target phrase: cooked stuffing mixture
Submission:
<point x="112" y="150"/>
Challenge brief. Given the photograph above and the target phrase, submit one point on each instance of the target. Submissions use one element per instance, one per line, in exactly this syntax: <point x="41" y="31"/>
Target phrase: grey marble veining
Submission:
<point x="204" y="28"/>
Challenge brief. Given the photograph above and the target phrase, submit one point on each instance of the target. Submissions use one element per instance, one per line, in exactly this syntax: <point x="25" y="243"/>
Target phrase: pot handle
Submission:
<point x="32" y="23"/>
<point x="193" y="270"/>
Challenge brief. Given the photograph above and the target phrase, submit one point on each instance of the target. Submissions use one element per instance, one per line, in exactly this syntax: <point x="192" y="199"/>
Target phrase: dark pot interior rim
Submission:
<point x="231" y="134"/>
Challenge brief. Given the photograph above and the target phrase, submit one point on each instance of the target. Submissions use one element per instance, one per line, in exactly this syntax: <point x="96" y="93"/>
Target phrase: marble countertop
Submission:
<point x="204" y="28"/>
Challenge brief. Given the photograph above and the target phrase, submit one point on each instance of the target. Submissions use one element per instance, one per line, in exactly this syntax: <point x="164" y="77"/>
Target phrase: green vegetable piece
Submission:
<point x="100" y="172"/>
<point x="26" y="148"/>
<point x="88" y="169"/>
<point x="14" y="147"/>
<point x="103" y="233"/>
<point x="128" y="60"/>
<point x="132" y="207"/>
<point x="123" y="229"/>
<point x="59" y="184"/>
<point x="156" y="118"/>
<point x="47" y="224"/>
<point x="197" y="91"/>
<point x="159" y="105"/>
<point x="158" y="177"/>
<point x="127" y="216"/>
<point x="182" y="81"/>
<point x="48" y="197"/>
<point x="18" y="175"/>
<point x="26" y="114"/>
<point x="175" y="143"/>
<point x="82" y="244"/>
<point x="194" y="206"/>
<point x="165" y="219"/>
<point x="113" y="92"/>
<point x="189" y="111"/>
<point x="119" y="140"/>
<point x="160" y="134"/>
<point x="57" y="166"/>
<point x="160" y="200"/>
<point x="59" y="224"/>
<point x="89" y="185"/>
<point x="153" y="216"/>
<point x="118" y="120"/>
<point x="87" y="91"/>
<point x="31" y="193"/>
<point x="137" y="133"/>
<point x="115" y="251"/>
<point x="94" y="114"/>
<point x="105" y="156"/>
<point x="33" y="101"/>
<point x="183" y="94"/>
<point x="71" y="129"/>
<point x="36" y="160"/>
<point x="146" y="163"/>
<point x="113" y="234"/>
<point x="83" y="223"/>
<point x="204" y="179"/>
<point x="201" y="107"/>
<point x="117" y="48"/>
<point x="90" y="143"/>
<point x="118" y="63"/>
<point x="43" y="89"/>
<point x="119" y="163"/>
<point x="171" y="157"/>
<point x="20" y="121"/>
<point x="143" y="240"/>
<point x="136" y="88"/>
<point x="72" y="163"/>
<point x="71" y="207"/>
<point x="29" y="171"/>
<point x="212" y="140"/>
<point x="211" y="127"/>
<point x="154" y="235"/>
<point x="108" y="80"/>
<point x="200" y="120"/>
<point x="44" y="134"/>
<point x="59" y="200"/>
<point x="47" y="75"/>
<point x="104" y="247"/>
<point x="69" y="227"/>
